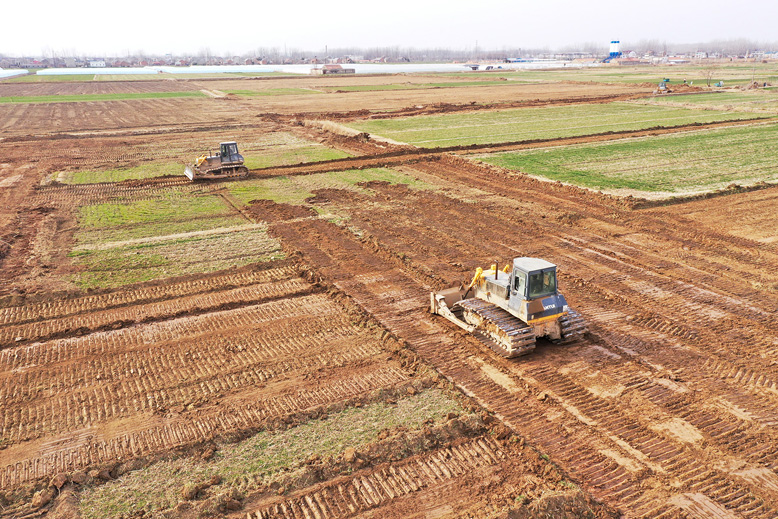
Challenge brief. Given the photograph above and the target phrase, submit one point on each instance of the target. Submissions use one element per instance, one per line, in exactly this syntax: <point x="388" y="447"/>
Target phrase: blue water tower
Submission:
<point x="615" y="49"/>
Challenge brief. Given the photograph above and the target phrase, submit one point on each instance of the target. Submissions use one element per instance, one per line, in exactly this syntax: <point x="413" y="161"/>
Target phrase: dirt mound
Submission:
<point x="270" y="211"/>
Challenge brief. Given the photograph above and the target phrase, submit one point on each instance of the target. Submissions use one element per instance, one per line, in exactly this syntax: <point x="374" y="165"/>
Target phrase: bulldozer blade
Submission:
<point x="441" y="303"/>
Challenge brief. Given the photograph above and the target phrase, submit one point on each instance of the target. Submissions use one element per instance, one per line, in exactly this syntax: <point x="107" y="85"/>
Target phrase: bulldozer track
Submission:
<point x="97" y="320"/>
<point x="163" y="438"/>
<point x="500" y="327"/>
<point x="74" y="385"/>
<point x="94" y="193"/>
<point x="368" y="490"/>
<point x="14" y="315"/>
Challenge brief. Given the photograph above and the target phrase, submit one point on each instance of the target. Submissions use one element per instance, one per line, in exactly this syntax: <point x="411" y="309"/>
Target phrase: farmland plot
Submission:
<point x="535" y="123"/>
<point x="760" y="101"/>
<point x="695" y="161"/>
<point x="126" y="242"/>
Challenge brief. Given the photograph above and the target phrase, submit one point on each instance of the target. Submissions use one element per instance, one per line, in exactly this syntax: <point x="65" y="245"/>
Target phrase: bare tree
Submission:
<point x="709" y="71"/>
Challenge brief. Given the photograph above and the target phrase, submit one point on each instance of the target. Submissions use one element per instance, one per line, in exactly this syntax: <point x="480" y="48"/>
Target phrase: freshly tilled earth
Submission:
<point x="665" y="409"/>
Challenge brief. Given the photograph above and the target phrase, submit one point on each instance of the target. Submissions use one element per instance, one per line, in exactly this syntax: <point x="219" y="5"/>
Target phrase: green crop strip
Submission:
<point x="273" y="92"/>
<point x="703" y="160"/>
<point x="536" y="123"/>
<point x="196" y="254"/>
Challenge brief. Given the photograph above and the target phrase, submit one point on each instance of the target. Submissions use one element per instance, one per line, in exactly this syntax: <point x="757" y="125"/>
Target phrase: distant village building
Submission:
<point x="332" y="69"/>
<point x="97" y="63"/>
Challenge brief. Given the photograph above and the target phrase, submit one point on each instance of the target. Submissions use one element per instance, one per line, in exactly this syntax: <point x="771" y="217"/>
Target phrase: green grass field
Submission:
<point x="261" y="459"/>
<point x="144" y="211"/>
<point x="274" y="92"/>
<point x="97" y="97"/>
<point x="695" y="161"/>
<point x="535" y="123"/>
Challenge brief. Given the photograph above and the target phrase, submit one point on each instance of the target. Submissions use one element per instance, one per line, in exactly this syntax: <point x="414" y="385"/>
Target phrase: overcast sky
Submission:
<point x="65" y="27"/>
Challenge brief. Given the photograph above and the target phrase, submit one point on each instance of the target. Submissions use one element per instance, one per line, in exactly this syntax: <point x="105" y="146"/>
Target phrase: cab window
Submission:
<point x="228" y="150"/>
<point x="542" y="283"/>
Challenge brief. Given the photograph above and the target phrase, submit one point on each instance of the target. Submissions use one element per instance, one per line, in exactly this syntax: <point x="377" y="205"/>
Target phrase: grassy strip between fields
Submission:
<point x="730" y="73"/>
<point x="274" y="92"/>
<point x="150" y="170"/>
<point x="98" y="97"/>
<point x="536" y="123"/>
<point x="696" y="161"/>
<point x="261" y="458"/>
<point x="288" y="155"/>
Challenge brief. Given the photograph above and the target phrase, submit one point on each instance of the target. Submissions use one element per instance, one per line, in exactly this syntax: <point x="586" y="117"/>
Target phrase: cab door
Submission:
<point x="518" y="293"/>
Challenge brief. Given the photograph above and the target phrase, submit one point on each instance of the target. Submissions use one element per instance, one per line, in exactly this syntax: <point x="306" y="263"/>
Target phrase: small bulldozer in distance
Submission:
<point x="226" y="163"/>
<point x="509" y="309"/>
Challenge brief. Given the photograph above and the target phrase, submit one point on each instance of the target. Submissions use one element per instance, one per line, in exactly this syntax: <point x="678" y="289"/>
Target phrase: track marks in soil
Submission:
<point x="94" y="320"/>
<point x="77" y="402"/>
<point x="678" y="438"/>
<point x="378" y="488"/>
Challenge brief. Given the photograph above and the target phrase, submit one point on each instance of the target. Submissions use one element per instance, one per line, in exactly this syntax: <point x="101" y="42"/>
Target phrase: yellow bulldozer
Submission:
<point x="227" y="162"/>
<point x="509" y="308"/>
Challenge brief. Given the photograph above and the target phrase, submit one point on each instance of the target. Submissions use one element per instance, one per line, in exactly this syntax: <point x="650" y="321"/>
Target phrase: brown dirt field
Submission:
<point x="22" y="119"/>
<point x="666" y="409"/>
<point x="746" y="215"/>
<point x="617" y="411"/>
<point x="47" y="118"/>
<point x="94" y="87"/>
<point x="503" y="93"/>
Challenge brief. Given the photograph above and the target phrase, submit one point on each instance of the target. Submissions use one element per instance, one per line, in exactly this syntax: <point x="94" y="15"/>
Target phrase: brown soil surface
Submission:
<point x="658" y="395"/>
<point x="503" y="93"/>
<point x="744" y="215"/>
<point x="94" y="87"/>
<point x="667" y="408"/>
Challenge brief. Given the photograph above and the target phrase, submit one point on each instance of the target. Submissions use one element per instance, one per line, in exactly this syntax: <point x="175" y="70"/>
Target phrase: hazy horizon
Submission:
<point x="86" y="27"/>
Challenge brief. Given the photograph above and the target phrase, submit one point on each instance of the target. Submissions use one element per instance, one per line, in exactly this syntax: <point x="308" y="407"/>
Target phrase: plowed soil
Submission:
<point x="667" y="408"/>
<point x="94" y="87"/>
